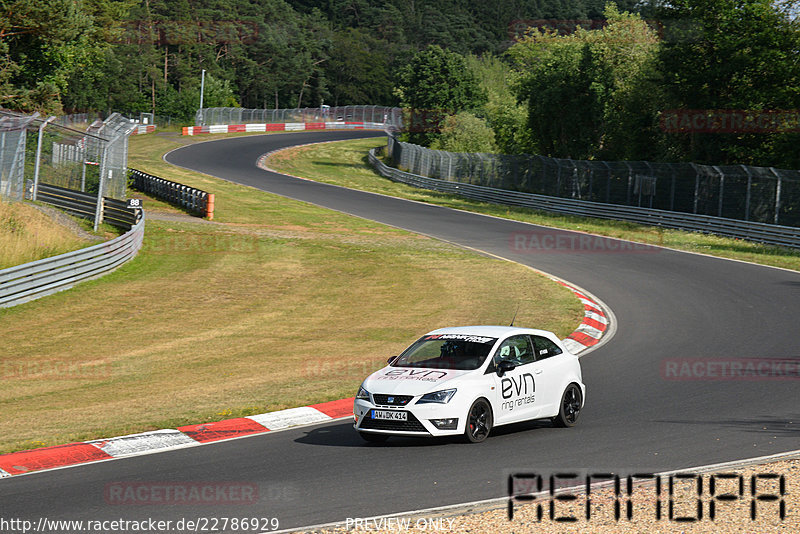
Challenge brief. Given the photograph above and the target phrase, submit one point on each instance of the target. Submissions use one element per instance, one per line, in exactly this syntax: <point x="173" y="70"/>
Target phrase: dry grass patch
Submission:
<point x="27" y="234"/>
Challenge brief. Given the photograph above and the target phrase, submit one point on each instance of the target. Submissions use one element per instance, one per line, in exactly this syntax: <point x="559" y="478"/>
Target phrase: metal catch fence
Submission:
<point x="38" y="149"/>
<point x="759" y="194"/>
<point x="388" y="116"/>
<point x="754" y="231"/>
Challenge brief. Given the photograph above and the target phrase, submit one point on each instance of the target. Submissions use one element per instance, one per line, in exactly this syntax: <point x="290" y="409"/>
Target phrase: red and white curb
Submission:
<point x="594" y="324"/>
<point x="282" y="127"/>
<point x="18" y="463"/>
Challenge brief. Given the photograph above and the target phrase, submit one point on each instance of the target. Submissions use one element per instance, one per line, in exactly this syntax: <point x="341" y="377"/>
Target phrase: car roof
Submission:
<point x="489" y="331"/>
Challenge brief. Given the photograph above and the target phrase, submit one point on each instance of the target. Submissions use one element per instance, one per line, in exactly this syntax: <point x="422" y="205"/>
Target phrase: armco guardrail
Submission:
<point x="42" y="277"/>
<point x="115" y="212"/>
<point x="194" y="200"/>
<point x="764" y="233"/>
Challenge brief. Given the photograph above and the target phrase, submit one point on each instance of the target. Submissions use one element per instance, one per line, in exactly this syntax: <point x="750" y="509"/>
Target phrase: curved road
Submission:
<point x="669" y="305"/>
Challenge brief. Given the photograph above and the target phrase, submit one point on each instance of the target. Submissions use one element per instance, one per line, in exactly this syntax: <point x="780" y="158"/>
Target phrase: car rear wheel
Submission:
<point x="479" y="421"/>
<point x="373" y="438"/>
<point x="570" y="408"/>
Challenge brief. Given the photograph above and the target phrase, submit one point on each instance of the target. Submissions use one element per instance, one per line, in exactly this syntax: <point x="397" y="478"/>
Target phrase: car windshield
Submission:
<point x="447" y="351"/>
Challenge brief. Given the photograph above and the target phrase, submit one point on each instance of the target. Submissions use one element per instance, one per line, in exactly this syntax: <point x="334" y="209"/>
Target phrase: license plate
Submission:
<point x="390" y="415"/>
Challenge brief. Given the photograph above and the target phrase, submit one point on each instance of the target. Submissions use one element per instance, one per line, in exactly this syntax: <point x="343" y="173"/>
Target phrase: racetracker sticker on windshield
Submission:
<point x="462" y="337"/>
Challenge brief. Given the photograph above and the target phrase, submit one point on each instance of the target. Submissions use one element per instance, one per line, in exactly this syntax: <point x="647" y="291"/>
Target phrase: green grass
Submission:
<point x="345" y="163"/>
<point x="281" y="304"/>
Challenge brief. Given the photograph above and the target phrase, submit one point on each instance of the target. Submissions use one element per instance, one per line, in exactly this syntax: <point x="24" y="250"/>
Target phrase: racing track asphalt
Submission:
<point x="668" y="304"/>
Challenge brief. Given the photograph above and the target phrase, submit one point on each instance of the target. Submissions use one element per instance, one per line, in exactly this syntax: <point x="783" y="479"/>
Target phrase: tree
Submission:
<point x="587" y="92"/>
<point x="464" y="132"/>
<point x="434" y="84"/>
<point x="734" y="55"/>
<point x="506" y="116"/>
<point x="359" y="69"/>
<point x="39" y="43"/>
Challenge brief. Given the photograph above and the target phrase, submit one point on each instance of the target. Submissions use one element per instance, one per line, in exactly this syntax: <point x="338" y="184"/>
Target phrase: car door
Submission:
<point x="515" y="392"/>
<point x="549" y="370"/>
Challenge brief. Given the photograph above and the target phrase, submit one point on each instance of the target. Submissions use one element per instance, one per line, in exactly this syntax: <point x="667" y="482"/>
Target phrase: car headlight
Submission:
<point x="440" y="397"/>
<point x="363" y="394"/>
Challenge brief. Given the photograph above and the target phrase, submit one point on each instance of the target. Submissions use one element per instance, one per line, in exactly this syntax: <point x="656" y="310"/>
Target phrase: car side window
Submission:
<point x="545" y="348"/>
<point x="516" y="349"/>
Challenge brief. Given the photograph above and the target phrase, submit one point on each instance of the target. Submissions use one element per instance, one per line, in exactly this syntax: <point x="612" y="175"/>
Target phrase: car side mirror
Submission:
<point x="504" y="367"/>
<point x="391" y="359"/>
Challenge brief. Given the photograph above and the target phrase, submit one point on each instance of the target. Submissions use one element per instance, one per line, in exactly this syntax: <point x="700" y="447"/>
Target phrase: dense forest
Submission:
<point x="567" y="78"/>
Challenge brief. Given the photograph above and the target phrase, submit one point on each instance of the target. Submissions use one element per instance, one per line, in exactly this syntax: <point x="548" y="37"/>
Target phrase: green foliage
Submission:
<point x="464" y="132"/>
<point x="438" y="83"/>
<point x="41" y="41"/>
<point x="739" y="55"/>
<point x="578" y="86"/>
<point x="599" y="94"/>
<point x="460" y="26"/>
<point x="359" y="69"/>
<point x="505" y="115"/>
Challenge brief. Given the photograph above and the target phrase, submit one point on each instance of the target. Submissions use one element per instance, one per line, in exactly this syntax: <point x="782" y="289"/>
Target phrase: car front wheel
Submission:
<point x="479" y="421"/>
<point x="570" y="407"/>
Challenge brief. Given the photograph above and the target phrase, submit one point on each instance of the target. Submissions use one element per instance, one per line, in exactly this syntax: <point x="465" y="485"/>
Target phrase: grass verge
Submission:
<point x="345" y="163"/>
<point x="27" y="234"/>
<point x="280" y="304"/>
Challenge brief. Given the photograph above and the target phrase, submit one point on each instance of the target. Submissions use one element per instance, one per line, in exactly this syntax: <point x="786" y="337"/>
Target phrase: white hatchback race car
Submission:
<point x="467" y="380"/>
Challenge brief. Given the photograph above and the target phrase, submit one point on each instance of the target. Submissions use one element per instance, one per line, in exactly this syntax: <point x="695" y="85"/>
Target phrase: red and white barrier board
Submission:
<point x="283" y="127"/>
<point x="144" y="128"/>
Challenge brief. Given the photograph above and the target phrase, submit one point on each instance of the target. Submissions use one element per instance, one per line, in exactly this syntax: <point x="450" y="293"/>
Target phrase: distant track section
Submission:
<point x="282" y="127"/>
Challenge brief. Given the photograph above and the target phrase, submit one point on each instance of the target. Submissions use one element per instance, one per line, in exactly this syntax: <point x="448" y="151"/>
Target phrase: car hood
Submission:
<point x="411" y="381"/>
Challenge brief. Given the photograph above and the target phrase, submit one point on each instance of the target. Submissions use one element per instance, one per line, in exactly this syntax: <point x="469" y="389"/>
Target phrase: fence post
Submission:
<point x="608" y="181"/>
<point x="747" y="194"/>
<point x="449" y="166"/>
<point x="83" y="167"/>
<point x="777" y="194"/>
<point x="37" y="163"/>
<point x="98" y="211"/>
<point x="630" y="179"/>
<point x="558" y="177"/>
<point x="721" y="189"/>
<point x="696" y="186"/>
<point x="3" y="151"/>
<point x="672" y="189"/>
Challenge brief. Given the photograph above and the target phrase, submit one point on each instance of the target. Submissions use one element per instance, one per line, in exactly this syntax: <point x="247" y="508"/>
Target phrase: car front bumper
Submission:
<point x="418" y="422"/>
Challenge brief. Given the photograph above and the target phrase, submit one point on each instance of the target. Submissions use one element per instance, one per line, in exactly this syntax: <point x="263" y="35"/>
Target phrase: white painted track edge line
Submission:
<point x="172" y="448"/>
